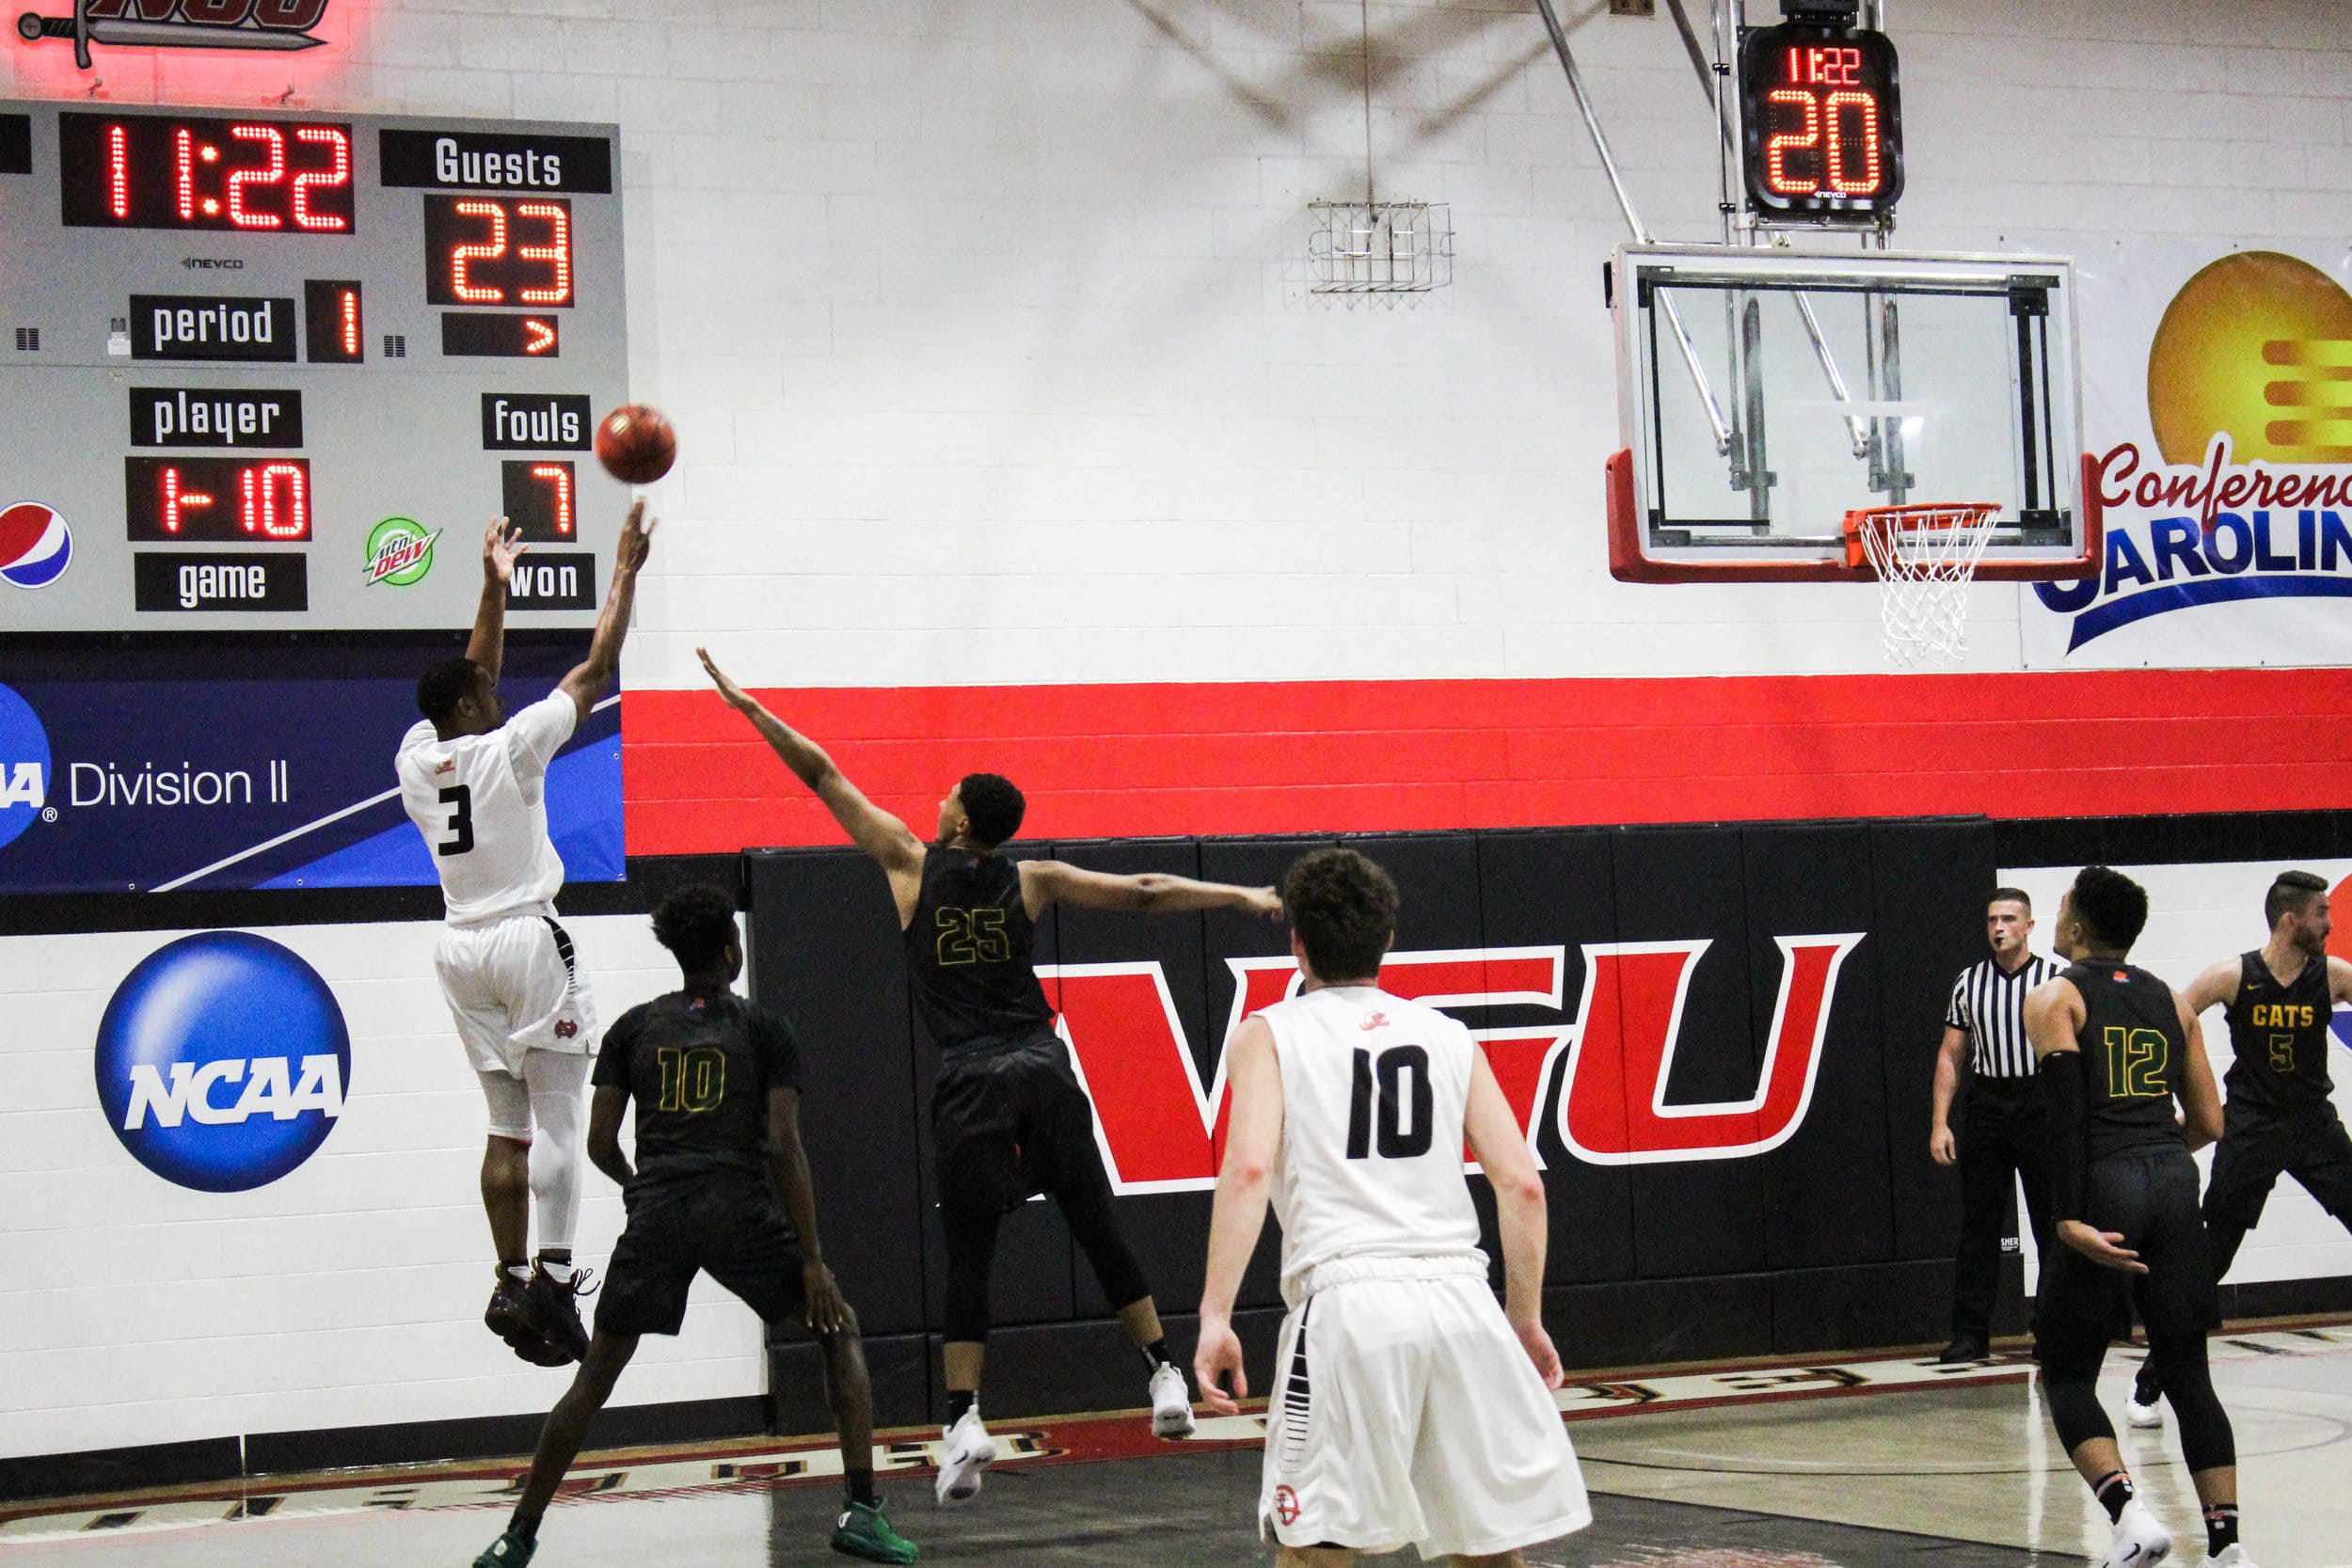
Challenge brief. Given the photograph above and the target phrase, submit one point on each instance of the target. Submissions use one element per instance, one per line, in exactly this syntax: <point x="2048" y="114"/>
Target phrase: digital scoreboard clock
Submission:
<point x="1821" y="123"/>
<point x="235" y="346"/>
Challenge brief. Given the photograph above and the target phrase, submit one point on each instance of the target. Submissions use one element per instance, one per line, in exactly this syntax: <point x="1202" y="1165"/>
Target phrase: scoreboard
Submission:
<point x="277" y="371"/>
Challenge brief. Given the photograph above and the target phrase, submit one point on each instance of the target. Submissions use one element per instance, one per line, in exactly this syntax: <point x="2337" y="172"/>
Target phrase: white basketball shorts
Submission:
<point x="1404" y="1413"/>
<point x="514" y="986"/>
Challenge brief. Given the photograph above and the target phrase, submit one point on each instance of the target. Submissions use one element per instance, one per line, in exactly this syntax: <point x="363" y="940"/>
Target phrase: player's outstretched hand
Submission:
<point x="2103" y="1247"/>
<point x="1536" y="1341"/>
<point x="1265" y="902"/>
<point x="636" y="538"/>
<point x="826" y="1310"/>
<point x="1218" y="1353"/>
<point x="730" y="693"/>
<point x="501" y="541"/>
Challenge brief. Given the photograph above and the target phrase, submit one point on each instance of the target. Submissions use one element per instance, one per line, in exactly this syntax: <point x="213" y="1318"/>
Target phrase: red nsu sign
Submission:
<point x="1162" y="1131"/>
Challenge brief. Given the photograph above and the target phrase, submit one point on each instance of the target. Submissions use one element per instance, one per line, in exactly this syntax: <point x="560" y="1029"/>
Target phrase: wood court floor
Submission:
<point x="1880" y="1463"/>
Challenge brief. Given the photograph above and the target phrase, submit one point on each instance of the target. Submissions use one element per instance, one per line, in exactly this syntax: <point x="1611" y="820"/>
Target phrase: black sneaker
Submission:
<point x="554" y="1308"/>
<point x="509" y="1317"/>
<point x="1963" y="1349"/>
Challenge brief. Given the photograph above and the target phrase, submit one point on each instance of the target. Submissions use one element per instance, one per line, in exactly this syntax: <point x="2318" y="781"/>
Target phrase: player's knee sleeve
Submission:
<point x="971" y="1232"/>
<point x="558" y="1082"/>
<point x="2207" y="1440"/>
<point x="2074" y="1409"/>
<point x="1097" y="1233"/>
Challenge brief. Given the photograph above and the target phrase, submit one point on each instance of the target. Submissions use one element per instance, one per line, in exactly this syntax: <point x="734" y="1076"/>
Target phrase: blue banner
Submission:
<point x="254" y="761"/>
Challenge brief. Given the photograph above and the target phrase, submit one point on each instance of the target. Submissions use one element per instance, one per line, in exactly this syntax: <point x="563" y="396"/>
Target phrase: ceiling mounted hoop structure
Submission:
<point x="1924" y="558"/>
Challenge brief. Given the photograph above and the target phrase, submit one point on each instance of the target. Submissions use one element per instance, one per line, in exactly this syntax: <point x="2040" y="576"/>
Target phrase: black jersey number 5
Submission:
<point x="460" y="820"/>
<point x="1402" y="1123"/>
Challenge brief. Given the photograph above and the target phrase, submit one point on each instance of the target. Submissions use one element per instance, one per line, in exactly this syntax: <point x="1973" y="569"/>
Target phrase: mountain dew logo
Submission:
<point x="400" y="551"/>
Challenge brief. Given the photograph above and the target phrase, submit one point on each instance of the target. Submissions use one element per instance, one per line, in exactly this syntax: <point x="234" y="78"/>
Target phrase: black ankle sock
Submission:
<point x="2113" y="1490"/>
<point x="960" y="1401"/>
<point x="860" y="1485"/>
<point x="2144" y="1385"/>
<point x="524" y="1526"/>
<point x="2220" y="1529"/>
<point x="1156" y="1354"/>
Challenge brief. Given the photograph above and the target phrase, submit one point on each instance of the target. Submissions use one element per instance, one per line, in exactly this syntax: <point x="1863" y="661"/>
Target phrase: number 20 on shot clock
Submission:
<point x="1822" y="119"/>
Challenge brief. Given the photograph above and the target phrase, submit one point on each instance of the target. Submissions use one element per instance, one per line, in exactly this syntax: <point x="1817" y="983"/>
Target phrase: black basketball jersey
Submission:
<point x="699" y="1064"/>
<point x="2281" y="1036"/>
<point x="970" y="951"/>
<point x="2132" y="1054"/>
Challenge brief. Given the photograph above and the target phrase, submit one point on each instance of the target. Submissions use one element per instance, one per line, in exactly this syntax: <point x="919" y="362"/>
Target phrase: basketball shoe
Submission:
<point x="864" y="1531"/>
<point x="1171" y="1403"/>
<point x="2140" y="1539"/>
<point x="969" y="1451"/>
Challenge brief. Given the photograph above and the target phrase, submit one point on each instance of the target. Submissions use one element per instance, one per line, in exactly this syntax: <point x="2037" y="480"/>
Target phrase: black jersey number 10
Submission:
<point x="695" y="1078"/>
<point x="1401" y="1124"/>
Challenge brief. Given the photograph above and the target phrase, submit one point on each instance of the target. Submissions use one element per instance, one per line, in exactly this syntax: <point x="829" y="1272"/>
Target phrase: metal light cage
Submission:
<point x="1380" y="248"/>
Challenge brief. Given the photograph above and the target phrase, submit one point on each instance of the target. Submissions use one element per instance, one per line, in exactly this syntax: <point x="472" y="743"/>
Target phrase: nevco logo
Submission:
<point x="273" y="26"/>
<point x="1161" y="1130"/>
<point x="222" y="1061"/>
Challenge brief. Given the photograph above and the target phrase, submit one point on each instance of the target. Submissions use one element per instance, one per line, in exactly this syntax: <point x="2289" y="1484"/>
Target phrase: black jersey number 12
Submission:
<point x="1402" y="1124"/>
<point x="460" y="820"/>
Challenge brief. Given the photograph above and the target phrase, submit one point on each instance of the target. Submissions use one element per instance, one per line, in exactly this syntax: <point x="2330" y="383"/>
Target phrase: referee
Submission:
<point x="1985" y="1027"/>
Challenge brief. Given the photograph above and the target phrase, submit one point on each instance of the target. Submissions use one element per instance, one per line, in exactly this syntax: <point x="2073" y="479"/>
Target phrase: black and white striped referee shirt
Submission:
<point x="1991" y="1006"/>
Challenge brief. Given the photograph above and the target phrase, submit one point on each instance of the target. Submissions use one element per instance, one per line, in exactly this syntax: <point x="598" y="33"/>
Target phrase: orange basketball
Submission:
<point x="636" y="444"/>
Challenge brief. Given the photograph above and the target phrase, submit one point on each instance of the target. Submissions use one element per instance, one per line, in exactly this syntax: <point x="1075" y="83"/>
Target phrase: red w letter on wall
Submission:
<point x="1613" y="1111"/>
<point x="1162" y="1131"/>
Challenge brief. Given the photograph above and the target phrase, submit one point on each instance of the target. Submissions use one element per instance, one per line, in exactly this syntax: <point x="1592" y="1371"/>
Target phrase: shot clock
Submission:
<point x="246" y="341"/>
<point x="1822" y="120"/>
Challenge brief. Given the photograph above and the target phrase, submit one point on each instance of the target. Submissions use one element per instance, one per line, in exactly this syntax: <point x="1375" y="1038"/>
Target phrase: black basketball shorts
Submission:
<point x="1011" y="1121"/>
<point x="2150" y="1195"/>
<point x="725" y="1224"/>
<point x="2256" y="1150"/>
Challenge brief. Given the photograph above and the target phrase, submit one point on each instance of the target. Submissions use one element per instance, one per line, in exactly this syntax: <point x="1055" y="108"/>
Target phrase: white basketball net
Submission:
<point x="1925" y="557"/>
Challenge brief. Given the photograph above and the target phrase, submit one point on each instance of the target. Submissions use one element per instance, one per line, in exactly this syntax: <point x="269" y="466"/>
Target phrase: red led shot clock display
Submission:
<point x="249" y="175"/>
<point x="1822" y="122"/>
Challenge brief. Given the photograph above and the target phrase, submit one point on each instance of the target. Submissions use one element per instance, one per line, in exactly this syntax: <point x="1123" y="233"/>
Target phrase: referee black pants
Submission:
<point x="2001" y="1143"/>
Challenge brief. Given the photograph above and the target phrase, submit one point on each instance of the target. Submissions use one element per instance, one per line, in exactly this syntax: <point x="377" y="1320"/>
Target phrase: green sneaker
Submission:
<point x="511" y="1551"/>
<point x="863" y="1531"/>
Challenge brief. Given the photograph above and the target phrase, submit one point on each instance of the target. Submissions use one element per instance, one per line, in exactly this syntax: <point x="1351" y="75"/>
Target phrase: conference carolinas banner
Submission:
<point x="2217" y="411"/>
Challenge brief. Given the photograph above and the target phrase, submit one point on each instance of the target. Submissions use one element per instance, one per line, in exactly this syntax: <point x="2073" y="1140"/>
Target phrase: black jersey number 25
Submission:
<point x="1398" y="1118"/>
<point x="460" y="800"/>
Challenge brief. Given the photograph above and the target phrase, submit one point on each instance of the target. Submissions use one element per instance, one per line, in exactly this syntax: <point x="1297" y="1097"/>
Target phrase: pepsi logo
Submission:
<point x="35" y="546"/>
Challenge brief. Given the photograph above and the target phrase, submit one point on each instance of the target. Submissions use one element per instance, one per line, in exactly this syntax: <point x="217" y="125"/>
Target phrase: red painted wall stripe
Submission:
<point x="1324" y="756"/>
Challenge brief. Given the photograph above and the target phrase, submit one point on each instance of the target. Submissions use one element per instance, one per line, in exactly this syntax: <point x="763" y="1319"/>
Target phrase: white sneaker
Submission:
<point x="2141" y="1541"/>
<point x="1172" y="1403"/>
<point x="2138" y="1414"/>
<point x="2233" y="1556"/>
<point x="969" y="1450"/>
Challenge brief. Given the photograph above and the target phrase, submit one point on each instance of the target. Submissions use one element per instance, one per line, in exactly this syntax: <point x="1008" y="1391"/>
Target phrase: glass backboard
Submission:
<point x="1765" y="393"/>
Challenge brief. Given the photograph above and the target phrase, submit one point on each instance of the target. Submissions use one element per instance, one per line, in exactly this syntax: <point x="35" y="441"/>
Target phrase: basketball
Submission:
<point x="636" y="444"/>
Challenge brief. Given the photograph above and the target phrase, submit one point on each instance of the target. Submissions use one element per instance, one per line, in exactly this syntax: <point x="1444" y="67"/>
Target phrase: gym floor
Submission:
<point x="1870" y="1463"/>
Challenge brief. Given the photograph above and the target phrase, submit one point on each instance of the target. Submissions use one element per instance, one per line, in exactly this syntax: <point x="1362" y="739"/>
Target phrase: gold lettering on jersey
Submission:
<point x="693" y="1079"/>
<point x="972" y="936"/>
<point x="2284" y="1014"/>
<point x="2137" y="1063"/>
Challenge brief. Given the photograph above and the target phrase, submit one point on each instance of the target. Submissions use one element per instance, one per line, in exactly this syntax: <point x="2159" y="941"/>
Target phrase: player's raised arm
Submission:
<point x="1501" y="1148"/>
<point x="1253" y="1137"/>
<point x="1047" y="883"/>
<point x="870" y="828"/>
<point x="588" y="679"/>
<point x="499" y="546"/>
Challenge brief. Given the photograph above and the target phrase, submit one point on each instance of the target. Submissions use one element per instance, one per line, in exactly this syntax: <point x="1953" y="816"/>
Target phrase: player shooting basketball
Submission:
<point x="474" y="782"/>
<point x="1008" y="1119"/>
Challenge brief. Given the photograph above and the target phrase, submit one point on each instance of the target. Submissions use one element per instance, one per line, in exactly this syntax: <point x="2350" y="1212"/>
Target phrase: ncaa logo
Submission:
<point x="23" y="765"/>
<point x="221" y="1062"/>
<point x="35" y="546"/>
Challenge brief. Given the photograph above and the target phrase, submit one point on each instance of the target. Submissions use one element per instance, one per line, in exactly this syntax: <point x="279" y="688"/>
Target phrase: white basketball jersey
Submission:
<point x="1375" y="1090"/>
<point x="480" y="802"/>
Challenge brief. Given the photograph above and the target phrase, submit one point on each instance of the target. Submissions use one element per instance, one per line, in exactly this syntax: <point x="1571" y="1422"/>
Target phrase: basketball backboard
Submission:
<point x="1764" y="393"/>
